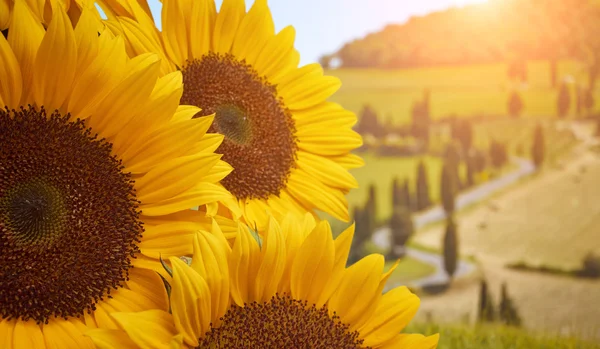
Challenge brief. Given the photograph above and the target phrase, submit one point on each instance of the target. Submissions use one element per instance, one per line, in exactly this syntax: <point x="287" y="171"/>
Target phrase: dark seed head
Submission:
<point x="259" y="130"/>
<point x="69" y="220"/>
<point x="281" y="323"/>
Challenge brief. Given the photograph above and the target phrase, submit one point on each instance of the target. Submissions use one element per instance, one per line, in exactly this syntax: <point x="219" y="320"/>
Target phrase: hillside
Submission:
<point x="499" y="30"/>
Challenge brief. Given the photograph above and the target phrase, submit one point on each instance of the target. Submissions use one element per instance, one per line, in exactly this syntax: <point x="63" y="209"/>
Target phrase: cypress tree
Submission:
<point x="486" y="311"/>
<point x="361" y="234"/>
<point x="450" y="247"/>
<point x="448" y="189"/>
<point x="407" y="197"/>
<point x="588" y="101"/>
<point x="538" y="147"/>
<point x="423" y="200"/>
<point x="371" y="206"/>
<point x="396" y="193"/>
<point x="563" y="101"/>
<point x="401" y="227"/>
<point x="507" y="310"/>
<point x="515" y="104"/>
<point x="470" y="171"/>
<point x="453" y="157"/>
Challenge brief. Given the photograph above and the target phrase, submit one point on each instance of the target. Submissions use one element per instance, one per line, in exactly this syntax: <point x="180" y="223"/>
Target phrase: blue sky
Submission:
<point x="323" y="26"/>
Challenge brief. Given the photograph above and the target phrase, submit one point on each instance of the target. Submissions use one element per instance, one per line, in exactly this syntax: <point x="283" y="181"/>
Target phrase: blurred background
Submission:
<point x="481" y="126"/>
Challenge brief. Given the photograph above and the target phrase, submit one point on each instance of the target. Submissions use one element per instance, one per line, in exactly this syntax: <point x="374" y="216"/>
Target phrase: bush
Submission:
<point x="564" y="101"/>
<point x="591" y="266"/>
<point x="538" y="148"/>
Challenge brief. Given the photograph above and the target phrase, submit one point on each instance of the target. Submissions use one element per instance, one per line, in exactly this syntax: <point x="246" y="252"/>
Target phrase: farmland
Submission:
<point x="462" y="90"/>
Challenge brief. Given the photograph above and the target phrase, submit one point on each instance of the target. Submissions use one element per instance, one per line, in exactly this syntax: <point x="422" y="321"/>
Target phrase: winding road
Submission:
<point x="381" y="237"/>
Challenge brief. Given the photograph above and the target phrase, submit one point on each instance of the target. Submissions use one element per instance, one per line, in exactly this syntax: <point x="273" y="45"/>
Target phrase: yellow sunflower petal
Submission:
<point x="272" y="263"/>
<point x="99" y="77"/>
<point x="174" y="239"/>
<point x="242" y="265"/>
<point x="26" y="34"/>
<point x="313" y="266"/>
<point x="150" y="329"/>
<point x="394" y="311"/>
<point x="28" y="334"/>
<point x="7" y="328"/>
<point x="11" y="84"/>
<point x="145" y="155"/>
<point x="309" y="91"/>
<point x="174" y="177"/>
<point x="326" y="114"/>
<point x="60" y="334"/>
<point x="327" y="171"/>
<point x="278" y="56"/>
<point x="342" y="248"/>
<point x="328" y="142"/>
<point x="111" y="339"/>
<point x="55" y="63"/>
<point x="86" y="39"/>
<point x="358" y="287"/>
<point x="122" y="101"/>
<point x="186" y="112"/>
<point x="348" y="161"/>
<point x="142" y="41"/>
<point x="226" y="24"/>
<point x="315" y="194"/>
<point x="4" y="14"/>
<point x="210" y="262"/>
<point x="201" y="16"/>
<point x="163" y="102"/>
<point x="202" y="194"/>
<point x="190" y="301"/>
<point x="149" y="284"/>
<point x="175" y="33"/>
<point x="253" y="32"/>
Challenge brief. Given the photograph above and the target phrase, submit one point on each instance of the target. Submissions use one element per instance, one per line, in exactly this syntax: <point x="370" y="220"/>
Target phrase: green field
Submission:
<point x="495" y="337"/>
<point x="380" y="171"/>
<point x="408" y="269"/>
<point x="464" y="91"/>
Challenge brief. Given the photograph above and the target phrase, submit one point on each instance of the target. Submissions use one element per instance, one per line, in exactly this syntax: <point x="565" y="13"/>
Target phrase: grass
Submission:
<point x="408" y="269"/>
<point x="496" y="337"/>
<point x="464" y="90"/>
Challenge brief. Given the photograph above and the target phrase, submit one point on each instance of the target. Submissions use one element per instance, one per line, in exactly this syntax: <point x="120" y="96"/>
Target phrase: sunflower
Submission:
<point x="289" y="147"/>
<point x="42" y="10"/>
<point x="99" y="166"/>
<point x="288" y="288"/>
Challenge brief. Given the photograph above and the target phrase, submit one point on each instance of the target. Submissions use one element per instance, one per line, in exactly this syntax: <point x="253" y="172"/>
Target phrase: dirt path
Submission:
<point x="553" y="219"/>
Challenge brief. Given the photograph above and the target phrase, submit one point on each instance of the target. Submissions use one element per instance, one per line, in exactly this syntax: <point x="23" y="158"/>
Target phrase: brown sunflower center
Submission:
<point x="259" y="130"/>
<point x="68" y="217"/>
<point x="281" y="323"/>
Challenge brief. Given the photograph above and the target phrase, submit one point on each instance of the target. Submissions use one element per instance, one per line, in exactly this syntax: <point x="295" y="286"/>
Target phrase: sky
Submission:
<point x="323" y="26"/>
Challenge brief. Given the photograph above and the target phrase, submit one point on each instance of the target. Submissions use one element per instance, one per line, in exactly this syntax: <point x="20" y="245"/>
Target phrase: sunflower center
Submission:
<point x="69" y="220"/>
<point x="259" y="131"/>
<point x="232" y="122"/>
<point x="35" y="211"/>
<point x="282" y="322"/>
